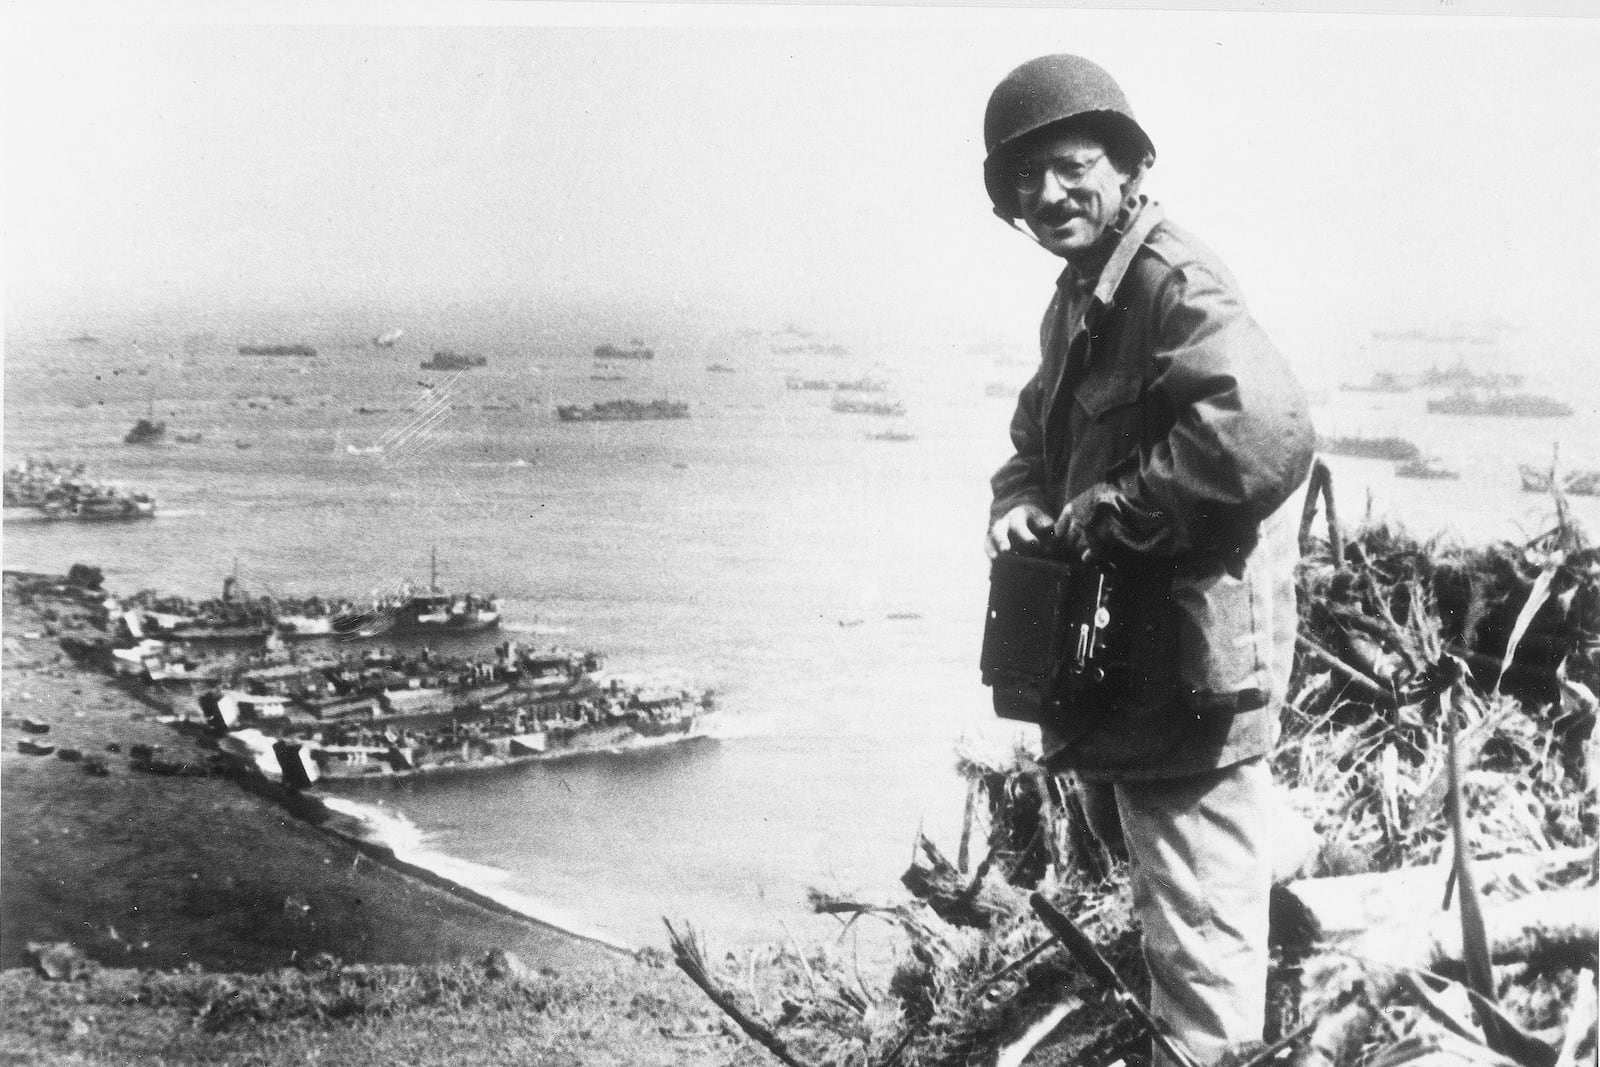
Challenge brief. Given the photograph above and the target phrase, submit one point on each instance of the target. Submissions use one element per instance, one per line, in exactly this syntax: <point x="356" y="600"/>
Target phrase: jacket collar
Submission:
<point x="1147" y="215"/>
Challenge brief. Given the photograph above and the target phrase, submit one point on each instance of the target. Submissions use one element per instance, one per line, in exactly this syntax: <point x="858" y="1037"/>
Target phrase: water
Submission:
<point x="827" y="586"/>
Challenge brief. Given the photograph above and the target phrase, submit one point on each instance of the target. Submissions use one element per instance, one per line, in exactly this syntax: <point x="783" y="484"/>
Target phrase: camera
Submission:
<point x="1045" y="637"/>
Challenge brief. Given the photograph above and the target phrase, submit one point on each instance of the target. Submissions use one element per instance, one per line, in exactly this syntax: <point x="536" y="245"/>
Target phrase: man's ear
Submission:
<point x="1130" y="185"/>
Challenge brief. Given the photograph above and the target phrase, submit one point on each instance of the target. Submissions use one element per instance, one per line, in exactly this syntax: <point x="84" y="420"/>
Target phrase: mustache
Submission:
<point x="1056" y="214"/>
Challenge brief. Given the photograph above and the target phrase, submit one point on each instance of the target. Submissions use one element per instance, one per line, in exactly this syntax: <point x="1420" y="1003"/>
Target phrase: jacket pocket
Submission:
<point x="1221" y="658"/>
<point x="1108" y="416"/>
<point x="1099" y="397"/>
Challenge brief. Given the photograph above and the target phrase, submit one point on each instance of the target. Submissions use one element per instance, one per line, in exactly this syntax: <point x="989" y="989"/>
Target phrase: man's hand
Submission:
<point x="1025" y="526"/>
<point x="1072" y="541"/>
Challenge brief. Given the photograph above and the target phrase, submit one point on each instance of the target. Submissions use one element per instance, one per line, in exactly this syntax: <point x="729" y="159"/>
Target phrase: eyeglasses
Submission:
<point x="1027" y="176"/>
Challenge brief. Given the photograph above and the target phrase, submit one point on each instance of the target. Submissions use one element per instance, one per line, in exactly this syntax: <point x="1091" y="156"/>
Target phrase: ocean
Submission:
<point x="828" y="585"/>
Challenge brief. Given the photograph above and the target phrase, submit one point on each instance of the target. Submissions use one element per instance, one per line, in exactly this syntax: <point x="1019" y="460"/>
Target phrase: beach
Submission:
<point x="276" y="892"/>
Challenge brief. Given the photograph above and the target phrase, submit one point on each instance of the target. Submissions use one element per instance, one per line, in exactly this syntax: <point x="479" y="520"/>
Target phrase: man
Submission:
<point x="1160" y="439"/>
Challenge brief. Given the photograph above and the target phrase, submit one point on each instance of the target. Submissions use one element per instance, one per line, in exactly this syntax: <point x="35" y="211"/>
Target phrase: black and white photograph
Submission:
<point x="828" y="535"/>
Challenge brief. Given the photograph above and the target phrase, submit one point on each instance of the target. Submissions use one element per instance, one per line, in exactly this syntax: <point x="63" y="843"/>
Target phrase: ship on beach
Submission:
<point x="1500" y="405"/>
<point x="384" y="717"/>
<point x="623" y="411"/>
<point x="450" y="359"/>
<point x="429" y="610"/>
<point x="1396" y="449"/>
<point x="277" y="350"/>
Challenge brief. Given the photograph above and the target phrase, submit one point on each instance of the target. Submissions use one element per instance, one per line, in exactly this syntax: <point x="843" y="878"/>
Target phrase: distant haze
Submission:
<point x="785" y="163"/>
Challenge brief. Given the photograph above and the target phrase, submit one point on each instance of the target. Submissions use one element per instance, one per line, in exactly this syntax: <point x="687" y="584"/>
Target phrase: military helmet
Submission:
<point x="1043" y="92"/>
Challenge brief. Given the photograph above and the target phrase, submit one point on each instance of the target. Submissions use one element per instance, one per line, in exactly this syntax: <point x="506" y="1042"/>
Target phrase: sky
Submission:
<point x="794" y="160"/>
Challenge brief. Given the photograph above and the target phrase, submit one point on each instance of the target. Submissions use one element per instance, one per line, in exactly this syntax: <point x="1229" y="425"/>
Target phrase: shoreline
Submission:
<point x="148" y="870"/>
<point x="427" y="866"/>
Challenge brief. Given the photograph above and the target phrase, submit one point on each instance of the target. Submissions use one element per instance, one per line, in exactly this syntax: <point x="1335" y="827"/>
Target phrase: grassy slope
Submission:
<point x="448" y="1017"/>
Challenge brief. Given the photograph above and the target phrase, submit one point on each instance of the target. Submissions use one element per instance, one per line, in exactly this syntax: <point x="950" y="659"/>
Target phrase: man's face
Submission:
<point x="1069" y="191"/>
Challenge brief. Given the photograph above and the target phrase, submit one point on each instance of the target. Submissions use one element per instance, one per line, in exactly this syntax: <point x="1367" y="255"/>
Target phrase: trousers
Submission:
<point x="1201" y="865"/>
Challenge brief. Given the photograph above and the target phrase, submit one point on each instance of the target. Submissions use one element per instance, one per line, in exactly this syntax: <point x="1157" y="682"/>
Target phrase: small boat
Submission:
<point x="388" y="339"/>
<point x="1397" y="449"/>
<point x="1573" y="483"/>
<point x="35" y="748"/>
<point x="1425" y="470"/>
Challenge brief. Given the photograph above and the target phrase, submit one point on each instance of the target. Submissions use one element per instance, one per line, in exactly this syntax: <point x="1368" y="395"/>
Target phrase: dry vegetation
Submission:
<point x="1441" y="694"/>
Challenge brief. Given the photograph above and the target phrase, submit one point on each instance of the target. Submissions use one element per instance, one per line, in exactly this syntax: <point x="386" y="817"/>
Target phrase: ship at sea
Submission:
<point x="1397" y="449"/>
<point x="854" y="406"/>
<point x="277" y="350"/>
<point x="55" y="491"/>
<point x="636" y="350"/>
<point x="1381" y="382"/>
<point x="388" y="339"/>
<point x="1430" y="470"/>
<point x="1460" y="376"/>
<point x="450" y="359"/>
<point x="145" y="431"/>
<point x="1504" y="405"/>
<point x="623" y="411"/>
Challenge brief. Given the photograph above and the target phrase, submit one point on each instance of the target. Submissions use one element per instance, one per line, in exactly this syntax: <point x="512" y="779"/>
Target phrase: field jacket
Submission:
<point x="1167" y="422"/>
